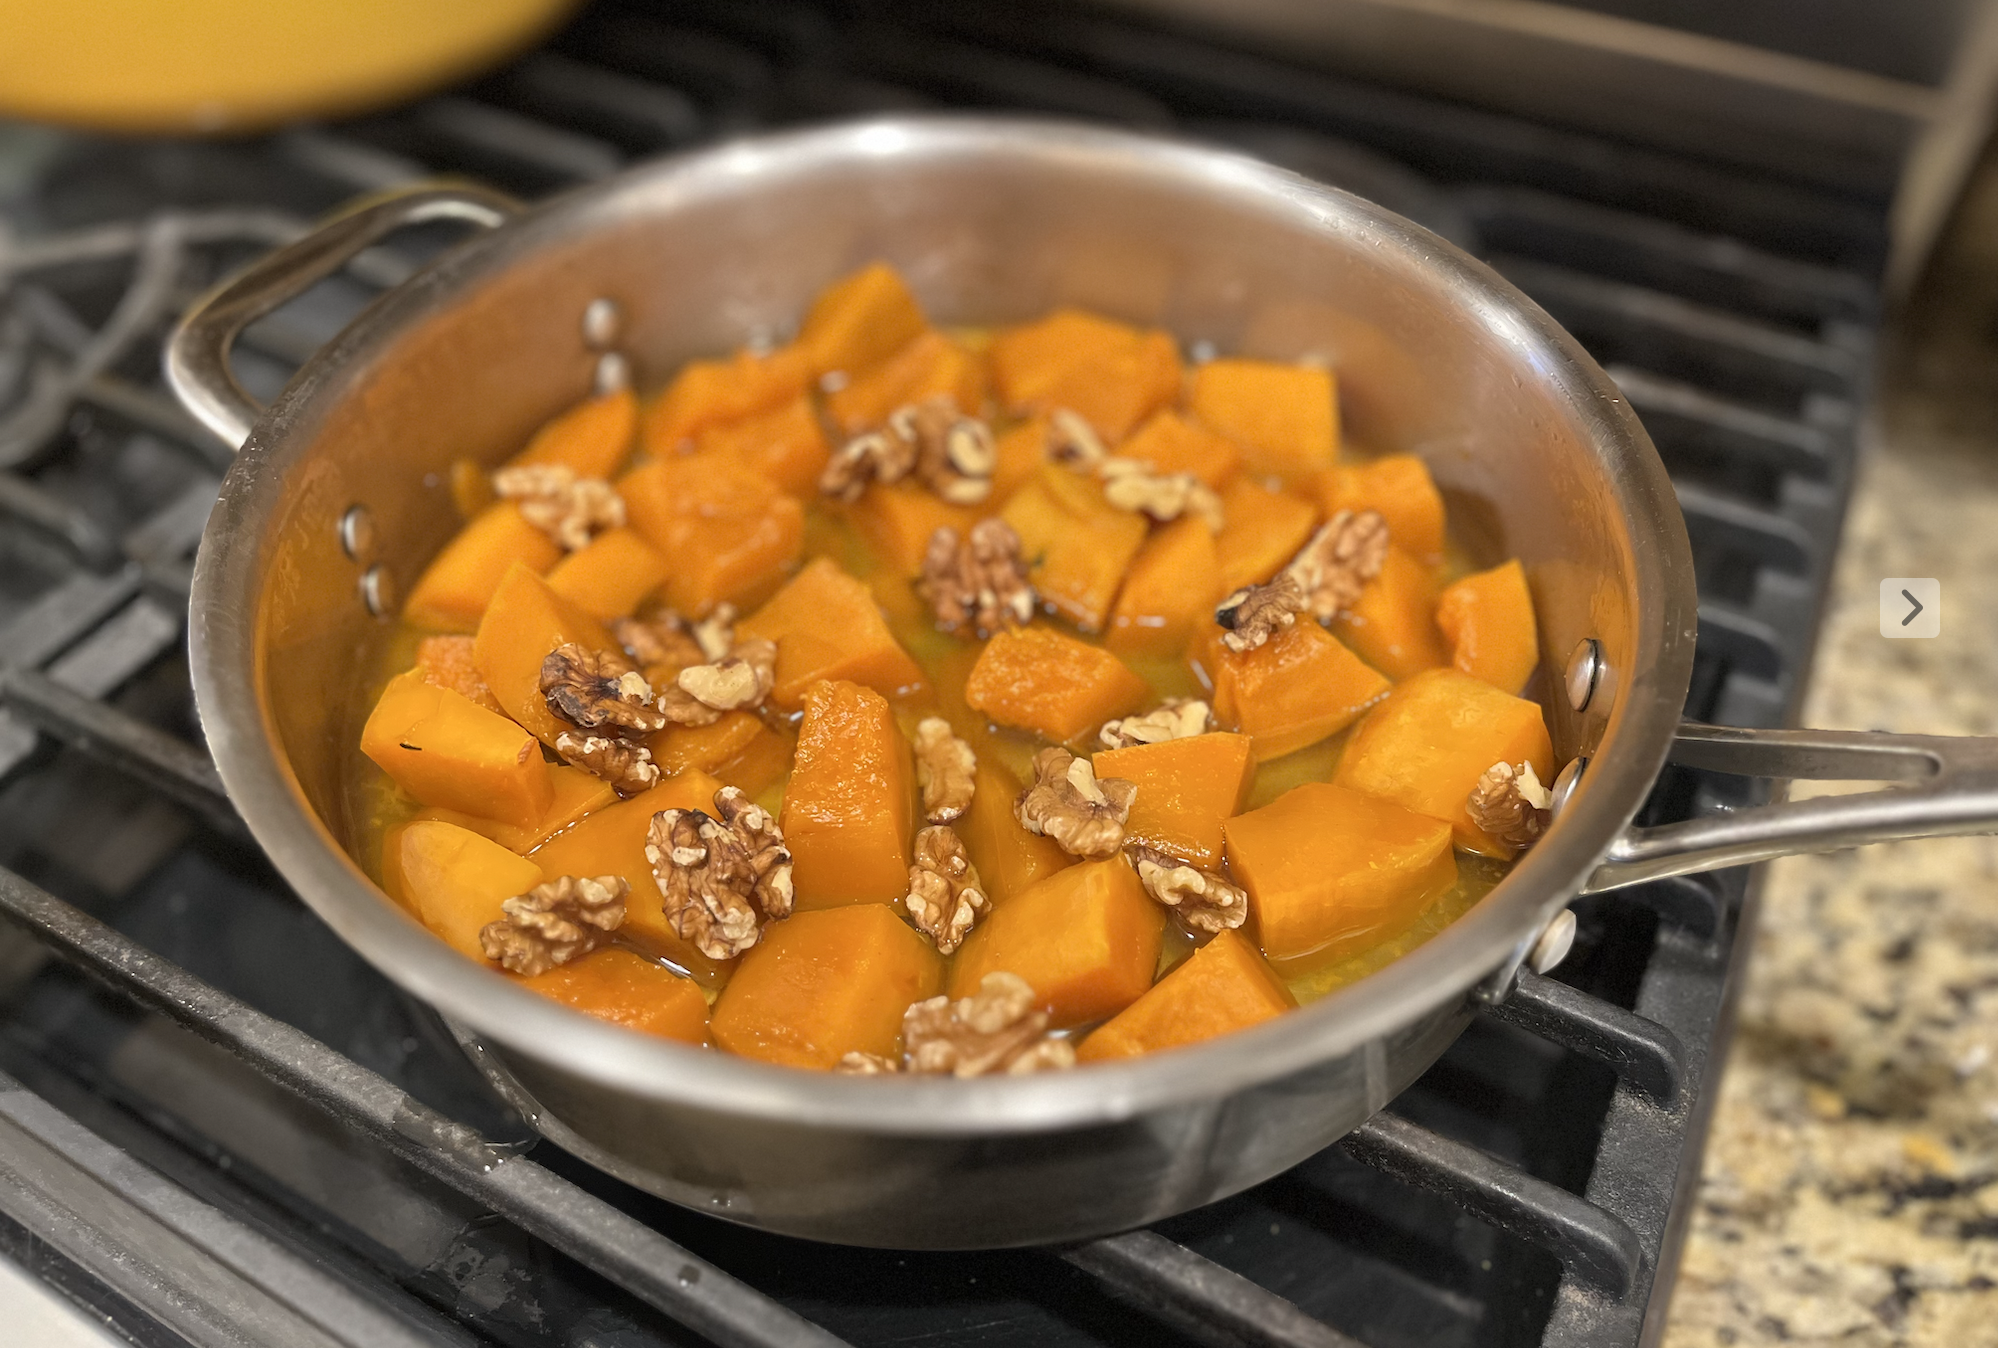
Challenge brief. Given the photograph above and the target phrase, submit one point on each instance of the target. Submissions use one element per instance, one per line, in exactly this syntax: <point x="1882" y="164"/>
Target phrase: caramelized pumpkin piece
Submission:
<point x="739" y="749"/>
<point x="1008" y="858"/>
<point x="1086" y="939"/>
<point x="447" y="662"/>
<point x="848" y="810"/>
<point x="1020" y="452"/>
<point x="611" y="841"/>
<point x="455" y="588"/>
<point x="525" y="621"/>
<point x="1035" y="678"/>
<point x="447" y="750"/>
<point x="932" y="365"/>
<point x="860" y="321"/>
<point x="592" y="438"/>
<point x="1110" y="374"/>
<point x="1425" y="746"/>
<point x="827" y="626"/>
<point x="1186" y="789"/>
<point x="715" y="392"/>
<point x="1294" y="690"/>
<point x="1285" y="417"/>
<point x="1077" y="543"/>
<point x="1171" y="589"/>
<point x="1399" y="487"/>
<point x="1392" y="624"/>
<point x="456" y="880"/>
<point x="1329" y="870"/>
<point x="574" y="793"/>
<point x="1488" y="621"/>
<point x="897" y="520"/>
<point x="821" y="985"/>
<point x="608" y="578"/>
<point x="727" y="533"/>
<point x="625" y="989"/>
<point x="1172" y="444"/>
<point x="1222" y="987"/>
<point x="1260" y="533"/>
<point x="785" y="446"/>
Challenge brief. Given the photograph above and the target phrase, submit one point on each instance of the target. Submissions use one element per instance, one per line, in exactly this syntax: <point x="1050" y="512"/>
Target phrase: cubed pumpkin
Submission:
<point x="931" y="365"/>
<point x="821" y="985"/>
<point x="1110" y="374"/>
<point x="455" y="880"/>
<point x="608" y="578"/>
<point x="1430" y="739"/>
<point x="1285" y="417"/>
<point x="1019" y="453"/>
<point x="1186" y="789"/>
<point x="848" y="811"/>
<point x="1487" y="619"/>
<point x="1172" y="444"/>
<point x="1086" y="940"/>
<point x="1170" y="589"/>
<point x="1035" y="678"/>
<point x="1008" y="858"/>
<point x="1329" y="870"/>
<point x="827" y="626"/>
<point x="897" y="519"/>
<point x="859" y="321"/>
<point x="727" y="533"/>
<point x="447" y="662"/>
<point x="716" y="392"/>
<point x="447" y="750"/>
<point x="1261" y="532"/>
<point x="1393" y="623"/>
<point x="1077" y="544"/>
<point x="1222" y="987"/>
<point x="1399" y="488"/>
<point x="592" y="439"/>
<point x="740" y="750"/>
<point x="524" y="623"/>
<point x="1295" y="689"/>
<point x="628" y="990"/>
<point x="573" y="794"/>
<point x="455" y="588"/>
<point x="785" y="446"/>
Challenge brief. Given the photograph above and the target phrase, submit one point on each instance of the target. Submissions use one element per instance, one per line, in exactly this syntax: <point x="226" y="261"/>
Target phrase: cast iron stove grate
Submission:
<point x="1528" y="1190"/>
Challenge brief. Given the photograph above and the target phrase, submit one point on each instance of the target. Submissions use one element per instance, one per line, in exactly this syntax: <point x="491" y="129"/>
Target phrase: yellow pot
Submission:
<point x="210" y="65"/>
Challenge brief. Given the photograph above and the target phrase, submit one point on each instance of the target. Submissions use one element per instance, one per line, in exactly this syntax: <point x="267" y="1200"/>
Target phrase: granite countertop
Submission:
<point x="1850" y="1189"/>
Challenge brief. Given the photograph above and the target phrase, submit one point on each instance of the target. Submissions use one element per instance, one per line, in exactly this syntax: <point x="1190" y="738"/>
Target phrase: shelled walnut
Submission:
<point x="1067" y="802"/>
<point x="944" y="768"/>
<point x="721" y="876"/>
<point x="1255" y="613"/>
<point x="554" y="922"/>
<point x="1177" y="718"/>
<point x="1204" y="900"/>
<point x="999" y="1028"/>
<point x="626" y="766"/>
<point x="978" y="581"/>
<point x="571" y="510"/>
<point x="738" y="681"/>
<point x="1131" y="484"/>
<point x="1335" y="564"/>
<point x="867" y="1065"/>
<point x="661" y="639"/>
<point x="945" y="894"/>
<point x="1511" y="805"/>
<point x="592" y="689"/>
<point x="954" y="453"/>
<point x="1073" y="441"/>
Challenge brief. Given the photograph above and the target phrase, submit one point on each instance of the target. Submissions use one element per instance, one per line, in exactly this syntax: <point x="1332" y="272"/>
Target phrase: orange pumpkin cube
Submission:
<point x="455" y="588"/>
<point x="715" y="392"/>
<point x="608" y="578"/>
<point x="591" y="439"/>
<point x="1078" y="544"/>
<point x="573" y="794"/>
<point x="727" y="533"/>
<point x="1172" y="444"/>
<point x="740" y="750"/>
<point x="611" y="841"/>
<point x="447" y="750"/>
<point x="1186" y="789"/>
<point x="897" y="519"/>
<point x="1285" y="417"/>
<point x="524" y="623"/>
<point x="1222" y="987"/>
<point x="1261" y="532"/>
<point x="827" y="626"/>
<point x="931" y="365"/>
<point x="848" y="812"/>
<point x="447" y="662"/>
<point x="1110" y="374"/>
<point x="1086" y="939"/>
<point x="1008" y="858"/>
<point x="1294" y="690"/>
<point x="1393" y="624"/>
<point x="821" y="985"/>
<point x="1170" y="589"/>
<point x="1035" y="678"/>
<point x="1329" y="870"/>
<point x="1430" y="739"/>
<point x="1020" y="451"/>
<point x="625" y="989"/>
<point x="859" y="321"/>
<point x="1488" y="621"/>
<point x="455" y="880"/>
<point x="785" y="446"/>
<point x="1399" y="488"/>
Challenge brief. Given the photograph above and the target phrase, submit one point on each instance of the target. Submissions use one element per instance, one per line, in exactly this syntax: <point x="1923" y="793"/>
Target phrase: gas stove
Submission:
<point x="217" y="1125"/>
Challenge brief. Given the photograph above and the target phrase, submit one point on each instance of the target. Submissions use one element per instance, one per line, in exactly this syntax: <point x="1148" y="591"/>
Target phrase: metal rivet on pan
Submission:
<point x="1564" y="785"/>
<point x="357" y="532"/>
<point x="377" y="591"/>
<point x="613" y="373"/>
<point x="1585" y="671"/>
<point x="600" y="323"/>
<point x="1557" y="938"/>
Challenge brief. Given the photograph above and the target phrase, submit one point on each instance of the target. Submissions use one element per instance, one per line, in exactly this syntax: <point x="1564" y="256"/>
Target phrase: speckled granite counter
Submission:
<point x="1850" y="1193"/>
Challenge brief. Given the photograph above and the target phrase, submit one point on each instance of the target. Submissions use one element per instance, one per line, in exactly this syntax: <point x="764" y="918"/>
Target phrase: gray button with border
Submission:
<point x="1910" y="606"/>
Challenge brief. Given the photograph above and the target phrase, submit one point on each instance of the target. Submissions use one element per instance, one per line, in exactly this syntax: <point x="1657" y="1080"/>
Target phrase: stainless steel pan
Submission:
<point x="340" y="495"/>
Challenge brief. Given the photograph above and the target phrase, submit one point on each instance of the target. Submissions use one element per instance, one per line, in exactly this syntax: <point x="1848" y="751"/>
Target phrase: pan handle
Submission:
<point x="197" y="355"/>
<point x="1951" y="788"/>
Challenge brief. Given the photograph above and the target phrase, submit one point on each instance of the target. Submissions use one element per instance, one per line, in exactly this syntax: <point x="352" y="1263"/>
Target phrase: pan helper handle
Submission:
<point x="197" y="355"/>
<point x="1948" y="786"/>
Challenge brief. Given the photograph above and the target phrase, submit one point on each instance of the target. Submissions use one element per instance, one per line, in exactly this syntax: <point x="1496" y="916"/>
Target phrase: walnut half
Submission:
<point x="736" y="682"/>
<point x="1336" y="563"/>
<point x="944" y="768"/>
<point x="978" y="581"/>
<point x="1255" y="613"/>
<point x="554" y="922"/>
<point x="945" y="894"/>
<point x="589" y="689"/>
<point x="626" y="766"/>
<point x="1511" y="805"/>
<point x="1177" y="718"/>
<point x="1067" y="802"/>
<point x="569" y="509"/>
<point x="1204" y="901"/>
<point x="720" y="877"/>
<point x="999" y="1028"/>
<point x="1134" y="485"/>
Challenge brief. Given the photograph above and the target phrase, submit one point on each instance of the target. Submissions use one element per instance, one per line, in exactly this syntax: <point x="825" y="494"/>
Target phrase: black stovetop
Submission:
<point x="1525" y="1191"/>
